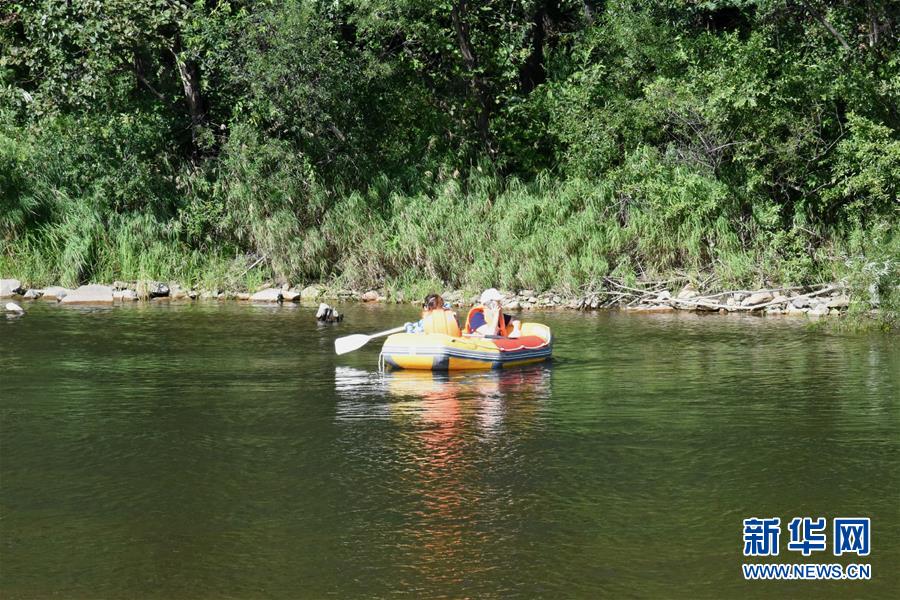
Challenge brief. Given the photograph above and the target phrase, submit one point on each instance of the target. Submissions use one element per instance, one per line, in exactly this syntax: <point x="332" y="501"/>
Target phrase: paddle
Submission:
<point x="349" y="343"/>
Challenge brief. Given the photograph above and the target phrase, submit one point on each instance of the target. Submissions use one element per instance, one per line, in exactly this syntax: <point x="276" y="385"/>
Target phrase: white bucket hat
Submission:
<point x="491" y="294"/>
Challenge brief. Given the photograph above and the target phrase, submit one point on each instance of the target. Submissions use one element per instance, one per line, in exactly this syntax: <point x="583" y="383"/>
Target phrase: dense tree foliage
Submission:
<point x="529" y="143"/>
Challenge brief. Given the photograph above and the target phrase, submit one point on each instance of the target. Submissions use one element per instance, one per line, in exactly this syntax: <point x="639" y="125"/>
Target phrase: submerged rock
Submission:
<point x="90" y="294"/>
<point x="14" y="308"/>
<point x="9" y="287"/>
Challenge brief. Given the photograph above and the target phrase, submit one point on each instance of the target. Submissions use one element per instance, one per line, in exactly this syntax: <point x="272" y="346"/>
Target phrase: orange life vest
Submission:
<point x="440" y="321"/>
<point x="501" y="322"/>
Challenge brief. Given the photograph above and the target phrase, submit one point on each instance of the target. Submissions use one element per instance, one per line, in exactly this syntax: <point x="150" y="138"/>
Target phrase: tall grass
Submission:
<point x="257" y="214"/>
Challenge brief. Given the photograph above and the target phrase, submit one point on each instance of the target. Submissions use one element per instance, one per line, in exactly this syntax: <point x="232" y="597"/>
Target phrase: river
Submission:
<point x="223" y="451"/>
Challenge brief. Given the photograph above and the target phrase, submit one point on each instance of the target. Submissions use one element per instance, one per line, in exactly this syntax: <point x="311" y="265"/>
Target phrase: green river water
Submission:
<point x="224" y="451"/>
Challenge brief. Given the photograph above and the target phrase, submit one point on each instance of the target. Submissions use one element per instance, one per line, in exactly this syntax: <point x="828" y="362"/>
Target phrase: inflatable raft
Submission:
<point x="439" y="352"/>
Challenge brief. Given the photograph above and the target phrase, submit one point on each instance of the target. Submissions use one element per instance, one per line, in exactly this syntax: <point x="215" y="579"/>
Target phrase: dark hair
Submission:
<point x="433" y="301"/>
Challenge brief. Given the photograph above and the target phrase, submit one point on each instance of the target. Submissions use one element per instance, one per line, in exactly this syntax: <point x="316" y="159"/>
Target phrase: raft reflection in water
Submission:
<point x="454" y="457"/>
<point x="426" y="395"/>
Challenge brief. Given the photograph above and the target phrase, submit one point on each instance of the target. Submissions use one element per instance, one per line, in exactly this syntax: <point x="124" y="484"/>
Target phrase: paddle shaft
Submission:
<point x="349" y="343"/>
<point x="388" y="332"/>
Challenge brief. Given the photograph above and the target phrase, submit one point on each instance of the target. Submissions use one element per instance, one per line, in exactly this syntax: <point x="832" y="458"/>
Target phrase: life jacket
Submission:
<point x="501" y="322"/>
<point x="440" y="321"/>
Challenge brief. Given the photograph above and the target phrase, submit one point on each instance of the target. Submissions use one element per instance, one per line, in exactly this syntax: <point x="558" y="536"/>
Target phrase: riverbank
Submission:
<point x="827" y="299"/>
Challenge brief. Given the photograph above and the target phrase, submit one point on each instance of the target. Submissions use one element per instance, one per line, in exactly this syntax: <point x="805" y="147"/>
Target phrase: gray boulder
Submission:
<point x="757" y="298"/>
<point x="819" y="310"/>
<point x="176" y="292"/>
<point x="687" y="292"/>
<point x="801" y="302"/>
<point x="311" y="292"/>
<point x="152" y="289"/>
<point x="9" y="287"/>
<point x="267" y="295"/>
<point x="33" y="294"/>
<point x="839" y="302"/>
<point x="125" y="295"/>
<point x="55" y="292"/>
<point x="90" y="294"/>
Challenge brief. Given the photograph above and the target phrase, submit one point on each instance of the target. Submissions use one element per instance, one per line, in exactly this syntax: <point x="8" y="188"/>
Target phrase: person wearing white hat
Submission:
<point x="487" y="318"/>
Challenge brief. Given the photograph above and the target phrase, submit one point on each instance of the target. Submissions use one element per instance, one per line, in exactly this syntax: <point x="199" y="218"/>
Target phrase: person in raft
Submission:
<point x="486" y="318"/>
<point x="437" y="317"/>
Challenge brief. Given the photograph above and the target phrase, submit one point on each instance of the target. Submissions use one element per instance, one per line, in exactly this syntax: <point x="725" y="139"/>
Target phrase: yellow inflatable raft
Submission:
<point x="439" y="352"/>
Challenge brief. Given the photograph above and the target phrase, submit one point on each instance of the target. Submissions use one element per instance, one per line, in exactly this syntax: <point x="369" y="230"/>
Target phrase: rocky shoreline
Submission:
<point x="648" y="297"/>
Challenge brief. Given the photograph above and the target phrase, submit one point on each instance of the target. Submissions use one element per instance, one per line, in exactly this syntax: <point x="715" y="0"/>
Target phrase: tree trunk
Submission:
<point x="477" y="82"/>
<point x="190" y="80"/>
<point x="189" y="73"/>
<point x="821" y="19"/>
<point x="532" y="73"/>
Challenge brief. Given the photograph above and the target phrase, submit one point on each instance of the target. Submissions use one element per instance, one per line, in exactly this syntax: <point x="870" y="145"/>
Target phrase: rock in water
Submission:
<point x="14" y="308"/>
<point x="9" y="287"/>
<point x="290" y="296"/>
<point x="90" y="294"/>
<point x="267" y="295"/>
<point x="33" y="294"/>
<point x="327" y="314"/>
<point x="370" y="296"/>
